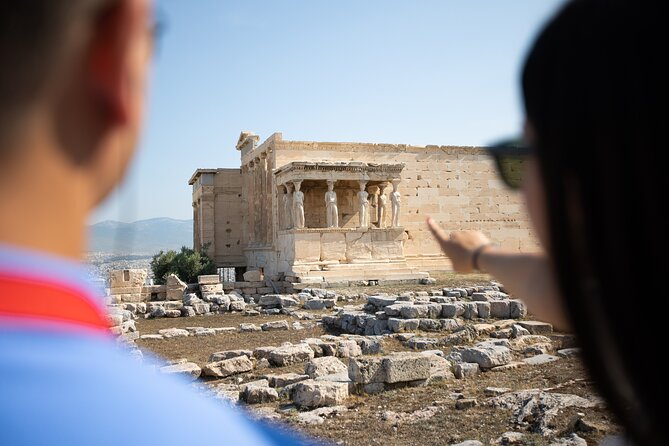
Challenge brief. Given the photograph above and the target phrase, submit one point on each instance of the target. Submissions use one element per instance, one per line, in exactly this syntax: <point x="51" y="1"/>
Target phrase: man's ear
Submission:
<point x="109" y="58"/>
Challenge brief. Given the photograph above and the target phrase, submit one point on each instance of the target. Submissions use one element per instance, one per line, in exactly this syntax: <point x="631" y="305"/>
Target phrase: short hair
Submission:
<point x="594" y="88"/>
<point x="33" y="37"/>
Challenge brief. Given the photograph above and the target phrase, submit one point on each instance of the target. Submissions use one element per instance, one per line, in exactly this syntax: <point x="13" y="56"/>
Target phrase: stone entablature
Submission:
<point x="352" y="171"/>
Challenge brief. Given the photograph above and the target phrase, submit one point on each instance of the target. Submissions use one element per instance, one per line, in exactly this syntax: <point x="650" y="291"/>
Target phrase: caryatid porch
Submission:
<point x="335" y="216"/>
<point x="339" y="195"/>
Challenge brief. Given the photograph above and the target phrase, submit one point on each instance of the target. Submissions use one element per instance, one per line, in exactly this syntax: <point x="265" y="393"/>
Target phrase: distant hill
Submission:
<point x="140" y="237"/>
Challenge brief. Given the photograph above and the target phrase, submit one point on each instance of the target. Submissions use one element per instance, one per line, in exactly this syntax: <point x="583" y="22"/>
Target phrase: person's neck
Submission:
<point x="43" y="209"/>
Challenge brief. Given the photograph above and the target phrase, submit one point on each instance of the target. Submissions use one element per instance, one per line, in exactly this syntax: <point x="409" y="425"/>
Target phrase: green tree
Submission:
<point x="187" y="264"/>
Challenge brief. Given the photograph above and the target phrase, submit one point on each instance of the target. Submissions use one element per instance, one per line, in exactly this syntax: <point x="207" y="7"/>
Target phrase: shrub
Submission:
<point x="187" y="264"/>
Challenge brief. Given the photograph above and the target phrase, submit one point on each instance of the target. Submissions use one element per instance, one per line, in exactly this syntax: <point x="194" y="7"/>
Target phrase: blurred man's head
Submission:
<point x="72" y="76"/>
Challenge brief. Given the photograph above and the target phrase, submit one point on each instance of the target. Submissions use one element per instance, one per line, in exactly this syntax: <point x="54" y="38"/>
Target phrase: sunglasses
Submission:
<point x="510" y="157"/>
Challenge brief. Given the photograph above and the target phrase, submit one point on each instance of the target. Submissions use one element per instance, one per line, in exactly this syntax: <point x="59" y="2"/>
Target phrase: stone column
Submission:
<point x="245" y="203"/>
<point x="382" y="205"/>
<point x="298" y="205"/>
<point x="270" y="222"/>
<point x="251" y="201"/>
<point x="331" y="209"/>
<point x="395" y="202"/>
<point x="363" y="206"/>
<point x="262" y="199"/>
<point x="288" y="206"/>
<point x="256" y="201"/>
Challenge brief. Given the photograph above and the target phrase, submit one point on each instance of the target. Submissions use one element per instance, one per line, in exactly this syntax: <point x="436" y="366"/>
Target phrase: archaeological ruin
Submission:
<point x="327" y="213"/>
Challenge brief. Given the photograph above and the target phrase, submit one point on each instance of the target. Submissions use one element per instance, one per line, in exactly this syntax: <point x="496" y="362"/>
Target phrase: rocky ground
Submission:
<point x="342" y="388"/>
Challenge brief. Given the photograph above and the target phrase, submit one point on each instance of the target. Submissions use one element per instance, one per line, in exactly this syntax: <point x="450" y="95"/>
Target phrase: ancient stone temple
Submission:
<point x="316" y="212"/>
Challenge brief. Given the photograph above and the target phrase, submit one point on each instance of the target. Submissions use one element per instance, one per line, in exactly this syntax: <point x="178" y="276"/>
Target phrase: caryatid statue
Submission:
<point x="383" y="201"/>
<point x="298" y="206"/>
<point x="331" y="211"/>
<point x="288" y="206"/>
<point x="395" y="202"/>
<point x="363" y="205"/>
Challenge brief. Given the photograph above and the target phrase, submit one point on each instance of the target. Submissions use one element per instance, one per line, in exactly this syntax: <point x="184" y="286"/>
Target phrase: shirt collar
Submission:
<point x="42" y="266"/>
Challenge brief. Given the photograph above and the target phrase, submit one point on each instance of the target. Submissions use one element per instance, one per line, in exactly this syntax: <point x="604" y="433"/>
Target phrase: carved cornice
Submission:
<point x="247" y="140"/>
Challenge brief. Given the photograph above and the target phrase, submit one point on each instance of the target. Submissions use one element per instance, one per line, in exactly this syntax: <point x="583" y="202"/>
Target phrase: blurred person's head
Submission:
<point x="72" y="80"/>
<point x="594" y="87"/>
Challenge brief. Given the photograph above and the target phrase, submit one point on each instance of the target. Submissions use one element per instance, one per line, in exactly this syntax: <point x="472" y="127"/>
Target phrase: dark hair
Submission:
<point x="594" y="84"/>
<point x="33" y="38"/>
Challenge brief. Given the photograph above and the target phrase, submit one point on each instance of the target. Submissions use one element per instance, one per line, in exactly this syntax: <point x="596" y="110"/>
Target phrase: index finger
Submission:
<point x="436" y="230"/>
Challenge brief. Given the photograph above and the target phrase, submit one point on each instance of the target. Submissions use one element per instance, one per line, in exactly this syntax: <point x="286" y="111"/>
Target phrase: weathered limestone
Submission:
<point x="175" y="287"/>
<point x="366" y="370"/>
<point x="258" y="392"/>
<point x="326" y="365"/>
<point x="168" y="333"/>
<point x="403" y="367"/>
<point x="499" y="309"/>
<point x="466" y="370"/>
<point x="229" y="354"/>
<point x="440" y="367"/>
<point x="487" y="355"/>
<point x="252" y="276"/>
<point x="331" y="209"/>
<point x="211" y="279"/>
<point x="396" y="368"/>
<point x="363" y="206"/>
<point x="523" y="403"/>
<point x="536" y="327"/>
<point x="127" y="285"/>
<point x="396" y="202"/>
<point x="313" y="393"/>
<point x="285" y="379"/>
<point x="277" y="301"/>
<point x="319" y="304"/>
<point x="348" y="348"/>
<point x="249" y="327"/>
<point x="318" y="416"/>
<point x="381" y="206"/>
<point x="540" y="359"/>
<point x="228" y="367"/>
<point x="290" y="354"/>
<point x="275" y="325"/>
<point x="298" y="206"/>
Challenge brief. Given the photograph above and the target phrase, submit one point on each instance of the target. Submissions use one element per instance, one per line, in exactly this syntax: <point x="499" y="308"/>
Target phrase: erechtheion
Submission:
<point x="315" y="212"/>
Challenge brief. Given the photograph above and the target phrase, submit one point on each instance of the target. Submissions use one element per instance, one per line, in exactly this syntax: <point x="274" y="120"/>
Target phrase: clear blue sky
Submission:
<point x="396" y="71"/>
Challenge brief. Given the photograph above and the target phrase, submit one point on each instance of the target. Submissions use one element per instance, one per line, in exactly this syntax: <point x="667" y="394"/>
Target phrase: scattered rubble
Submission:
<point x="538" y="408"/>
<point x="452" y="334"/>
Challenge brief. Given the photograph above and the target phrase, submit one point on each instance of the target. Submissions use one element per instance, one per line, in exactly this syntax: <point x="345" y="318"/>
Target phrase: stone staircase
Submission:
<point x="387" y="271"/>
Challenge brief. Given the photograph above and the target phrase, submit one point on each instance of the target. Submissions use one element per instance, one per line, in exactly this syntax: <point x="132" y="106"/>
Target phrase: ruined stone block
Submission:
<point x="366" y="370"/>
<point x="405" y="367"/>
<point x="212" y="279"/>
<point x="499" y="309"/>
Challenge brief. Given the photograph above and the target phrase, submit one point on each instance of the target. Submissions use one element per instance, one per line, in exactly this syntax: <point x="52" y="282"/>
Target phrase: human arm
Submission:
<point x="528" y="276"/>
